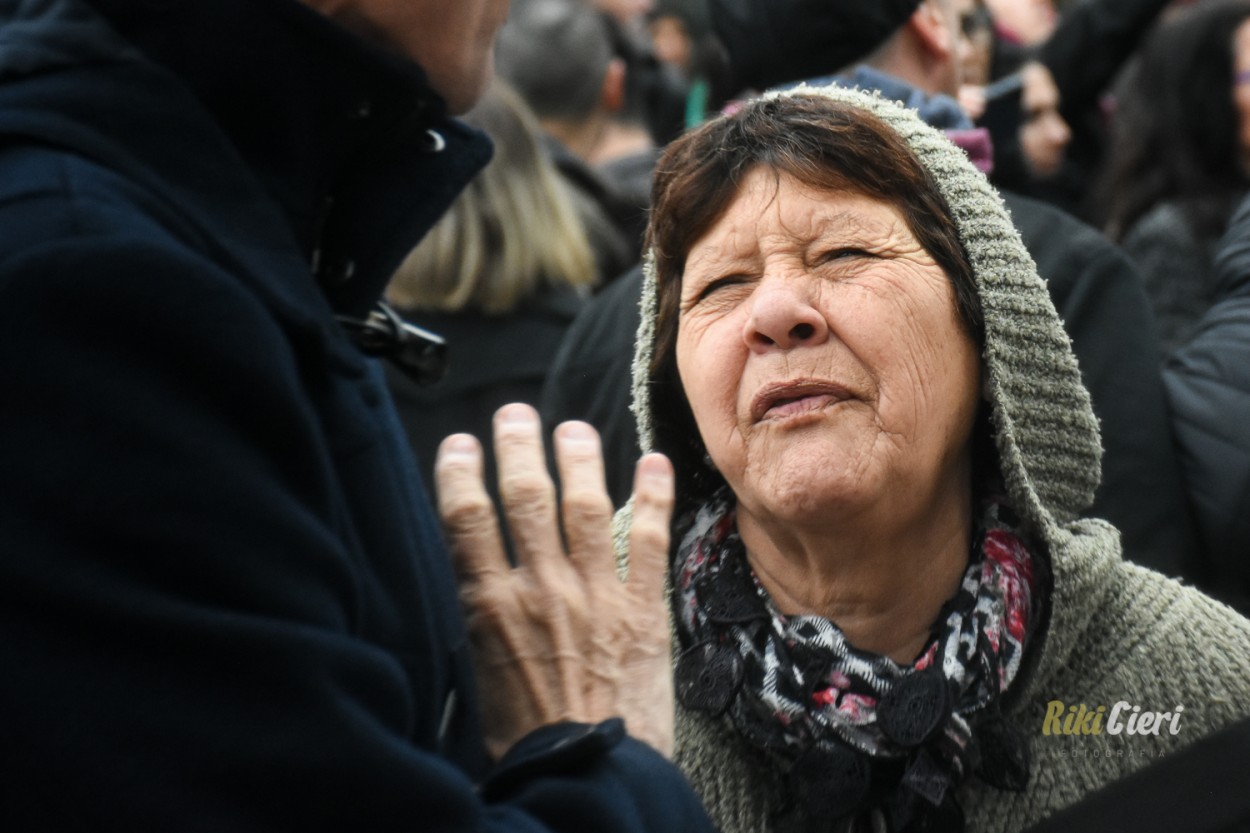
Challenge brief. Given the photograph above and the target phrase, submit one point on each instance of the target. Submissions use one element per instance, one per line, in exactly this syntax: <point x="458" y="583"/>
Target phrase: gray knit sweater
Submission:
<point x="1112" y="632"/>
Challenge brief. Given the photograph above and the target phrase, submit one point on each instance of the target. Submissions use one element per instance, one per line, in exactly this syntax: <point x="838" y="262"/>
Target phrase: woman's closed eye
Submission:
<point x="846" y="253"/>
<point x="712" y="287"/>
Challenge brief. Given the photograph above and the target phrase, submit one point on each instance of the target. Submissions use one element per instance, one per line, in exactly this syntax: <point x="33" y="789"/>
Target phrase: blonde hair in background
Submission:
<point x="513" y="231"/>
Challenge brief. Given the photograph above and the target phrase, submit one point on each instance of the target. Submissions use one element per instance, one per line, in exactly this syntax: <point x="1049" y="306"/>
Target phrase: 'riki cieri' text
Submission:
<point x="1123" y="718"/>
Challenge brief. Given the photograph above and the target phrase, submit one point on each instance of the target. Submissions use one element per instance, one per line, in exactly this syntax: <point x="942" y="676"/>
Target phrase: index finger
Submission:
<point x="466" y="510"/>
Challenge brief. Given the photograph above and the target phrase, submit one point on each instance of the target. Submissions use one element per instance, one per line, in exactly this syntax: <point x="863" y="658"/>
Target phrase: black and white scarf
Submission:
<point x="865" y="742"/>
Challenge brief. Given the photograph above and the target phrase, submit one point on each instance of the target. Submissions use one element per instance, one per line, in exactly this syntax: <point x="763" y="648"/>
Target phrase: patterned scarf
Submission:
<point x="866" y="743"/>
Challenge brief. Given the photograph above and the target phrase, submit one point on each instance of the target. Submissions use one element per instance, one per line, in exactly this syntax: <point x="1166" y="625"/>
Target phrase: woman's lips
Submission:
<point x="787" y="400"/>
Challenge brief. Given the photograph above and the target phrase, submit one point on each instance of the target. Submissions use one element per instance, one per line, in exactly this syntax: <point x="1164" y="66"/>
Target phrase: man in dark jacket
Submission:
<point x="224" y="600"/>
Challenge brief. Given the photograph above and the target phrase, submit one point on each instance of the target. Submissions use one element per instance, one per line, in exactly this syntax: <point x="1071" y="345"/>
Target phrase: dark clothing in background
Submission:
<point x="1200" y="789"/>
<point x="224" y="601"/>
<point x="630" y="176"/>
<point x="781" y="41"/>
<point x="492" y="360"/>
<point x="1175" y="264"/>
<point x="1099" y="297"/>
<point x="1208" y="384"/>
<point x="590" y="378"/>
<point x="609" y="218"/>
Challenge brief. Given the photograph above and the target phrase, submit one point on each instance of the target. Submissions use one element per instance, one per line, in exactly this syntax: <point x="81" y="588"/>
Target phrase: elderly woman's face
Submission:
<point x="822" y="355"/>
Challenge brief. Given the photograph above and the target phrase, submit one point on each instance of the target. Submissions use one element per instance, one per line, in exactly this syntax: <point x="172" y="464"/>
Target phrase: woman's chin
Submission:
<point x="811" y="489"/>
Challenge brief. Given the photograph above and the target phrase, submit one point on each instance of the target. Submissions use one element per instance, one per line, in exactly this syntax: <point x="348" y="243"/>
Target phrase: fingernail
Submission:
<point x="578" y="431"/>
<point x="517" y="414"/>
<point x="460" y="444"/>
<point x="656" y="467"/>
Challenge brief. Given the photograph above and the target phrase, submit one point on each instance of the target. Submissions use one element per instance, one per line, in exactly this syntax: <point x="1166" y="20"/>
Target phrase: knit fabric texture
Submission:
<point x="1111" y="631"/>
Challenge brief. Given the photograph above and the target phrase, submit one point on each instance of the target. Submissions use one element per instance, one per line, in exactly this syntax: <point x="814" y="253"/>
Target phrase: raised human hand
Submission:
<point x="559" y="636"/>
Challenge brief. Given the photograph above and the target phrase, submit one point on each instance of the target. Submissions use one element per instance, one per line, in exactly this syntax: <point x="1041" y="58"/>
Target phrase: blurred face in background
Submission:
<point x="671" y="42"/>
<point x="1044" y="135"/>
<point x="1028" y="21"/>
<point x="1241" y="87"/>
<point x="977" y="26"/>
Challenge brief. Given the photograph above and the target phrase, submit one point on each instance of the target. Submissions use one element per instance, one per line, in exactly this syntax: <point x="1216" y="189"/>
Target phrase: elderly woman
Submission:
<point x="888" y="614"/>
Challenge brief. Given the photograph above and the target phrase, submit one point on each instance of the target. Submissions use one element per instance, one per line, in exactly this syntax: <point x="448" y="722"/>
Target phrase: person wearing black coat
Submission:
<point x="225" y="603"/>
<point x="1208" y="385"/>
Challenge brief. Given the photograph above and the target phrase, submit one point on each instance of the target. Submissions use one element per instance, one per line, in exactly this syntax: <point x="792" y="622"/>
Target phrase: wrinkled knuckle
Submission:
<point x="515" y="439"/>
<point x="526" y="490"/>
<point x="466" y="513"/>
<point x="554" y="584"/>
<point x="649" y="537"/>
<point x="490" y="604"/>
<point x="650" y="501"/>
<point x="587" y="505"/>
<point x="560" y="595"/>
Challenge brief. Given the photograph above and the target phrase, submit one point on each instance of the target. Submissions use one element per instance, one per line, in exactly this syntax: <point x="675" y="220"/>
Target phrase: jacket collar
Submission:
<point x="349" y="140"/>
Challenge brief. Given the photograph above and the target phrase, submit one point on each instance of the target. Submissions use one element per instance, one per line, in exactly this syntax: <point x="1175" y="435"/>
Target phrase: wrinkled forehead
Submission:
<point x="801" y="212"/>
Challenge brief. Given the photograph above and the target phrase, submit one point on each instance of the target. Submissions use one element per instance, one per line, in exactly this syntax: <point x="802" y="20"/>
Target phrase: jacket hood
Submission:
<point x="1044" y="428"/>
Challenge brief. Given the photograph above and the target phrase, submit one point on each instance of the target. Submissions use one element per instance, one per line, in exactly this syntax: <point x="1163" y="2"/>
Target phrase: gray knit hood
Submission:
<point x="1044" y="428"/>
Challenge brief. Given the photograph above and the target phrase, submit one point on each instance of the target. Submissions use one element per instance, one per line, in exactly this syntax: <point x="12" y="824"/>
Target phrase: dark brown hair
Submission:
<point x="820" y="142"/>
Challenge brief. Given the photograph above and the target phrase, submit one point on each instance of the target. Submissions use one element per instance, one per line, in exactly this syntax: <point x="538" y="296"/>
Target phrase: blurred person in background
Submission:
<point x="1087" y="51"/>
<point x="1050" y="122"/>
<point x="666" y="87"/>
<point x="1177" y="162"/>
<point x="681" y="35"/>
<point x="500" y="277"/>
<point x="1044" y="133"/>
<point x="1024" y="22"/>
<point x="560" y="57"/>
<point x="1031" y="136"/>
<point x="627" y="153"/>
<point x="977" y="24"/>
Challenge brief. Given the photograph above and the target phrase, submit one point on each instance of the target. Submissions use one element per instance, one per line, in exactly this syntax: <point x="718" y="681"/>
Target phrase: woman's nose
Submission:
<point x="782" y="316"/>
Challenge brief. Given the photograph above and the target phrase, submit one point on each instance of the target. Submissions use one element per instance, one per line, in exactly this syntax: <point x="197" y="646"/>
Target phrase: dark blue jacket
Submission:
<point x="224" y="602"/>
